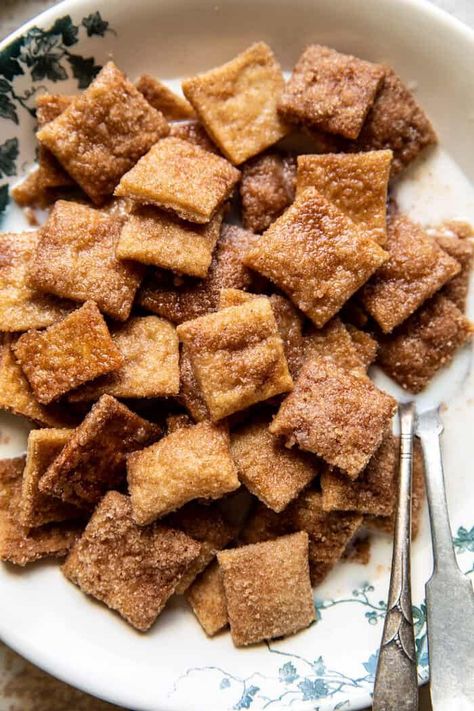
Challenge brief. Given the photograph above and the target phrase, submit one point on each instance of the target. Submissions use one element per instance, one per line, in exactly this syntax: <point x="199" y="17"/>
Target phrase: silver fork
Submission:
<point x="449" y="594"/>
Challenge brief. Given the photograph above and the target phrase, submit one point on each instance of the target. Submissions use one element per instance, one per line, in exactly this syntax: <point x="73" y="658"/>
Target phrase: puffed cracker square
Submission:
<point x="267" y="188"/>
<point x="206" y="597"/>
<point x="172" y="106"/>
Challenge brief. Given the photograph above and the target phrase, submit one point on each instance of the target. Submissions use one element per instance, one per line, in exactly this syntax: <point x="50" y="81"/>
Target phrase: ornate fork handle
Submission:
<point x="396" y="684"/>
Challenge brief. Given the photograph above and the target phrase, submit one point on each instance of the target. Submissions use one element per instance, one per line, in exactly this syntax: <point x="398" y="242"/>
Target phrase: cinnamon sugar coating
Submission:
<point x="334" y="341"/>
<point x="103" y="132"/>
<point x="75" y="258"/>
<point x="339" y="416"/>
<point x="330" y="91"/>
<point x="172" y="106"/>
<point x="190" y="394"/>
<point x="237" y="102"/>
<point x="206" y="597"/>
<point x="365" y="345"/>
<point x="195" y="133"/>
<point x="315" y="254"/>
<point x="177" y="422"/>
<point x="51" y="174"/>
<point x="191" y="463"/>
<point x="132" y="569"/>
<point x="267" y="589"/>
<point x="267" y="188"/>
<point x="93" y="459"/>
<point x="73" y="351"/>
<point x="426" y="342"/>
<point x="462" y="251"/>
<point x="179" y="176"/>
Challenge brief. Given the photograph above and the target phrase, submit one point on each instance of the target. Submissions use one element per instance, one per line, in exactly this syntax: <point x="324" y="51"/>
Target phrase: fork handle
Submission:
<point x="449" y="594"/>
<point x="396" y="683"/>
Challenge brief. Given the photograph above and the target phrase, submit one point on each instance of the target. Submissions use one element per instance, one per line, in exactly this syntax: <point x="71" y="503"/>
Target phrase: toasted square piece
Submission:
<point x="190" y="394"/>
<point x="330" y="91"/>
<point x="51" y="174"/>
<point x="194" y="132"/>
<point x="416" y="269"/>
<point x="237" y="102"/>
<point x="179" y="176"/>
<point x="206" y="597"/>
<point x="196" y="298"/>
<point x="132" y="569"/>
<point x="462" y="251"/>
<point x="17" y="545"/>
<point x="365" y="345"/>
<point x="356" y="183"/>
<point x="177" y="422"/>
<point x="22" y="306"/>
<point x="372" y="492"/>
<point x="269" y="470"/>
<point x="103" y="133"/>
<point x="50" y="106"/>
<point x="172" y="106"/>
<point x="396" y="122"/>
<point x="316" y="255"/>
<point x="188" y="464"/>
<point x="237" y="357"/>
<point x="266" y="189"/>
<point x="267" y="589"/>
<point x="73" y="351"/>
<point x="75" y="258"/>
<point x="152" y="236"/>
<point x="334" y="341"/>
<point x="318" y="569"/>
<point x="149" y="346"/>
<point x="337" y="415"/>
<point x="426" y="342"/>
<point x="93" y="459"/>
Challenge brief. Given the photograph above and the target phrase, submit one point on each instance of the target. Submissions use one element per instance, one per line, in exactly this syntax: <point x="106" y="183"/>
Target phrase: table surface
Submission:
<point x="23" y="687"/>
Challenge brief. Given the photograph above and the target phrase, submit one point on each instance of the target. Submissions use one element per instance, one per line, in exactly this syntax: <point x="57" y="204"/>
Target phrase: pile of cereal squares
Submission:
<point x="205" y="423"/>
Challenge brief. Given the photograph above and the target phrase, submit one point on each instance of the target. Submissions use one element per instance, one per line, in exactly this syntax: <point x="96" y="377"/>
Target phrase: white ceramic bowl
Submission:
<point x="175" y="667"/>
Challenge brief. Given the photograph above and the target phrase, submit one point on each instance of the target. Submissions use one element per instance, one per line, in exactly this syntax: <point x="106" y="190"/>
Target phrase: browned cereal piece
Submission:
<point x="237" y="356"/>
<point x="103" y="133"/>
<point x="179" y="176"/>
<point x="22" y="306"/>
<point x="29" y="192"/>
<point x="337" y="415"/>
<point x="188" y="464"/>
<point x="457" y="228"/>
<point x="172" y="106"/>
<point x="316" y="254"/>
<point x="75" y="258"/>
<point x="267" y="188"/>
<point x="358" y="550"/>
<point x="356" y="183"/>
<point x="334" y="341"/>
<point x="51" y="173"/>
<point x="149" y="346"/>
<point x="269" y="470"/>
<point x="190" y="394"/>
<point x="206" y="598"/>
<point x="365" y="345"/>
<point x="417" y="267"/>
<point x="426" y="342"/>
<point x="132" y="569"/>
<point x="267" y="589"/>
<point x="73" y="351"/>
<point x="152" y="236"/>
<point x="194" y="132"/>
<point x="462" y="251"/>
<point x="330" y="91"/>
<point x="264" y="524"/>
<point x="372" y="492"/>
<point x="177" y="422"/>
<point x="237" y="102"/>
<point x="396" y="122"/>
<point x="93" y="459"/>
<point x="196" y="298"/>
<point x="50" y="106"/>
<point x="17" y="545"/>
<point x="318" y="569"/>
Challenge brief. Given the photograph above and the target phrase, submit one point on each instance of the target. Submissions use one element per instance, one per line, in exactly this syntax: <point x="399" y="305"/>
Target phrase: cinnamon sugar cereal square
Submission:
<point x="179" y="176"/>
<point x="316" y="254"/>
<point x="194" y="132"/>
<point x="103" y="133"/>
<point x="337" y="415"/>
<point x="330" y="91"/>
<point x="372" y="492"/>
<point x="206" y="598"/>
<point x="73" y="351"/>
<point x="152" y="236"/>
<point x="22" y="306"/>
<point x="334" y="341"/>
<point x="75" y="258"/>
<point x="172" y="106"/>
<point x="267" y="589"/>
<point x="237" y="356"/>
<point x="177" y="422"/>
<point x="396" y="122"/>
<point x="318" y="569"/>
<point x="267" y="188"/>
<point x="426" y="342"/>
<point x="237" y="102"/>
<point x="190" y="394"/>
<point x="93" y="459"/>
<point x="149" y="346"/>
<point x="356" y="183"/>
<point x="132" y="569"/>
<point x="51" y="173"/>
<point x="462" y="251"/>
<point x="188" y="464"/>
<point x="269" y="470"/>
<point x="365" y="345"/>
<point x="417" y="267"/>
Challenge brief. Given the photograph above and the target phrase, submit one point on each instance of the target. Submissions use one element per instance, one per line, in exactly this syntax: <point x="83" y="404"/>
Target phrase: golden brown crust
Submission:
<point x="172" y="106"/>
<point x="50" y="106"/>
<point x="365" y="345"/>
<point x="177" y="422"/>
<point x="334" y="341"/>
<point x="132" y="569"/>
<point x="206" y="598"/>
<point x="462" y="251"/>
<point x="267" y="188"/>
